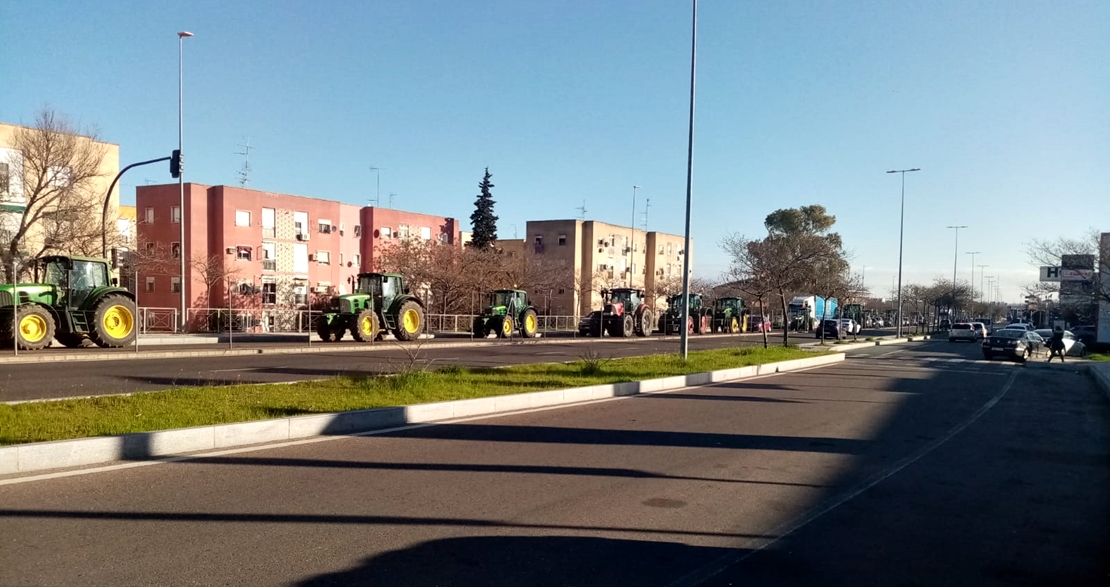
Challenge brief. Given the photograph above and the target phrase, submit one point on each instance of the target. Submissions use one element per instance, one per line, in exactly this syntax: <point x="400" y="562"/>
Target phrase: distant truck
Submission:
<point x="806" y="311"/>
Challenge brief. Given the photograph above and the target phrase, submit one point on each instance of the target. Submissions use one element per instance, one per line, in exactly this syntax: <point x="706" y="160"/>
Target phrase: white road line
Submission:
<point x="887" y="354"/>
<point x="714" y="568"/>
<point x="954" y="361"/>
<point x="243" y="369"/>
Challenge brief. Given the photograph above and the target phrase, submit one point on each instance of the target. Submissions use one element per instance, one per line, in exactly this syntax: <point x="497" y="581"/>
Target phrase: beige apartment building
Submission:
<point x="596" y="255"/>
<point x="75" y="233"/>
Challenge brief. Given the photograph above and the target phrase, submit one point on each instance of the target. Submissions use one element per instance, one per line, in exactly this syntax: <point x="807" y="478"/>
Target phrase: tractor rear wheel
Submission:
<point x="410" y="321"/>
<point x="529" y="324"/>
<point x="734" y="325"/>
<point x="365" y="328"/>
<point x="70" y="340"/>
<point x="479" y="328"/>
<point x="506" y="328"/>
<point x="113" y="323"/>
<point x="643" y="325"/>
<point x="34" y="328"/>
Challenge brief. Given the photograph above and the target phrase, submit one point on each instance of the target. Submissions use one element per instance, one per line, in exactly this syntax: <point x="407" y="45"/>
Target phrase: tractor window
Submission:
<point x="55" y="274"/>
<point x="88" y="275"/>
<point x="622" y="297"/>
<point x="369" y="284"/>
<point x="389" y="287"/>
<point x="502" y="298"/>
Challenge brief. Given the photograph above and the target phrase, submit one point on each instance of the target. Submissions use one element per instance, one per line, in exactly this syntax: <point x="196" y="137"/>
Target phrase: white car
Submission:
<point x="981" y="329"/>
<point x="849" y="326"/>
<point x="963" y="331"/>
<point x="1019" y="326"/>
<point x="1073" y="347"/>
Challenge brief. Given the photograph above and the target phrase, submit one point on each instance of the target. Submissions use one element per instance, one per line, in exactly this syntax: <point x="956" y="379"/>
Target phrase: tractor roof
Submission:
<point x="381" y="274"/>
<point x="625" y="289"/>
<point x="520" y="291"/>
<point x="49" y="258"/>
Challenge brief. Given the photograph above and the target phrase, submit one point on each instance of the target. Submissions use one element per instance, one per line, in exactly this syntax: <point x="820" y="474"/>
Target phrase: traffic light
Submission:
<point x="175" y="164"/>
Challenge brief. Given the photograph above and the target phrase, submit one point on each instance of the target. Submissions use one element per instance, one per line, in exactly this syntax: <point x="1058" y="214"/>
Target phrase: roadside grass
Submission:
<point x="1105" y="357"/>
<point x="183" y="407"/>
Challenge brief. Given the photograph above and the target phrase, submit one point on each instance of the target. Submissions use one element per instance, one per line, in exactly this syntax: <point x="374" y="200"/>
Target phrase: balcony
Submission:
<point x="269" y="232"/>
<point x="269" y="264"/>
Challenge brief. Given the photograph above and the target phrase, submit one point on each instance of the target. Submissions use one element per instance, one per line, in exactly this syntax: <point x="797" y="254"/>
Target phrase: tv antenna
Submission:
<point x="647" y="206"/>
<point x="391" y="196"/>
<point x="244" y="172"/>
<point x="378" y="184"/>
<point x="582" y="210"/>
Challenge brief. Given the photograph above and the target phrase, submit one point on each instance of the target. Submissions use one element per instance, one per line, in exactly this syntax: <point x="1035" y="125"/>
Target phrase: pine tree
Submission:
<point x="483" y="223"/>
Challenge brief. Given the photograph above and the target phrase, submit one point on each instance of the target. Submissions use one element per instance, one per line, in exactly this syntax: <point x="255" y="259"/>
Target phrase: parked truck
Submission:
<point x="807" y="311"/>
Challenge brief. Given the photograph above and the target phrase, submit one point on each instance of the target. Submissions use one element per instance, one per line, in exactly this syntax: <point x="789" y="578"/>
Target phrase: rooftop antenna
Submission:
<point x="514" y="231"/>
<point x="391" y="196"/>
<point x="378" y="184"/>
<point x="647" y="206"/>
<point x="582" y="210"/>
<point x="244" y="173"/>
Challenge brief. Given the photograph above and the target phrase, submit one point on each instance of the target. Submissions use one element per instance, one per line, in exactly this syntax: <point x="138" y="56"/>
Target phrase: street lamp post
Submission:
<point x="181" y="171"/>
<point x="982" y="292"/>
<point x="632" y="237"/>
<point x="901" y="234"/>
<point x="684" y="339"/>
<point x="971" y="284"/>
<point x="378" y="185"/>
<point x="955" y="259"/>
<point x="990" y="288"/>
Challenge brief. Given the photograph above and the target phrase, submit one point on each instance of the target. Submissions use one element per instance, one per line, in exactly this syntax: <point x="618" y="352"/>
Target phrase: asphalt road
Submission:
<point x="914" y="466"/>
<point x="33" y="381"/>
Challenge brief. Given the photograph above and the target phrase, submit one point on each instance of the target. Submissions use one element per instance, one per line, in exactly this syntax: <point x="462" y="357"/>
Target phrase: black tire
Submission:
<point x="479" y="328"/>
<point x="627" y="326"/>
<point x="410" y="321"/>
<point x="365" y="326"/>
<point x="643" y="325"/>
<point x="34" y="334"/>
<point x="988" y="356"/>
<point x="113" y="321"/>
<point x="70" y="340"/>
<point x="529" y="324"/>
<point x="596" y="327"/>
<point x="1024" y="356"/>
<point x="327" y="332"/>
<point x="505" y="327"/>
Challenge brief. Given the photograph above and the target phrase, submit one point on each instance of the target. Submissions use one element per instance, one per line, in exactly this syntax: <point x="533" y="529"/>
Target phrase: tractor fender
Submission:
<point x="399" y="300"/>
<point x="97" y="293"/>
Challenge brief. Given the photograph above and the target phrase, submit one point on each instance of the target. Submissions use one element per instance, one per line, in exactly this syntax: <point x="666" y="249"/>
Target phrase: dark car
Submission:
<point x="1085" y="333"/>
<point x="830" y="328"/>
<point x="1011" y="343"/>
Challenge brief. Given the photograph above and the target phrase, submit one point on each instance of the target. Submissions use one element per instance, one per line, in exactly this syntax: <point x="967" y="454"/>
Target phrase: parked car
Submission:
<point x="849" y="326"/>
<point x="759" y="324"/>
<point x="963" y="331"/>
<point x="1073" y="347"/>
<point x="1020" y="326"/>
<point x="1011" y="343"/>
<point x="945" y="325"/>
<point x="877" y="323"/>
<point x="830" y="328"/>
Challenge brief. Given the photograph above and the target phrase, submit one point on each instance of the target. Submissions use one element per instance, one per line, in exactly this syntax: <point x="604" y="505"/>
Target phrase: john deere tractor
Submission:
<point x="380" y="304"/>
<point x="509" y="310"/>
<point x="698" y="321"/>
<point x="622" y="314"/>
<point x="75" y="299"/>
<point x="729" y="315"/>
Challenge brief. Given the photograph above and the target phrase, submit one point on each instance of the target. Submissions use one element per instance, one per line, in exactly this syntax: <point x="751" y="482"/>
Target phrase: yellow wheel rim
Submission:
<point x="366" y="326"/>
<point x="118" y="322"/>
<point x="735" y="325"/>
<point x="507" y="325"/>
<point x="32" y="328"/>
<point x="411" y="321"/>
<point x="530" y="323"/>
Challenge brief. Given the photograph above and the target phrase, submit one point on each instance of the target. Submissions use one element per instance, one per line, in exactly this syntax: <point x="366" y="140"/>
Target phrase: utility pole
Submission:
<point x="378" y="184"/>
<point x="632" y="238"/>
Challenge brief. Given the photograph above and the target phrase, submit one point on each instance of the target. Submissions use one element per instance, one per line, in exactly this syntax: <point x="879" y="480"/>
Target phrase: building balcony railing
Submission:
<point x="269" y="264"/>
<point x="269" y="232"/>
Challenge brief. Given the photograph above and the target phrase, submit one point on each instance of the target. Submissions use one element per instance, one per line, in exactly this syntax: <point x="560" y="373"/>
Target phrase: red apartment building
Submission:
<point x="284" y="247"/>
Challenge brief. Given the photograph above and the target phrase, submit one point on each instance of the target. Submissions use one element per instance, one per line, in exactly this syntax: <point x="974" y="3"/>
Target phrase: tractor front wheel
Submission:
<point x="506" y="329"/>
<point x="734" y="325"/>
<point x="113" y="323"/>
<point x="410" y="321"/>
<point x="34" y="328"/>
<point x="643" y="326"/>
<point x="479" y="328"/>
<point x="327" y="332"/>
<point x="627" y="326"/>
<point x="365" y="328"/>
<point x="529" y="324"/>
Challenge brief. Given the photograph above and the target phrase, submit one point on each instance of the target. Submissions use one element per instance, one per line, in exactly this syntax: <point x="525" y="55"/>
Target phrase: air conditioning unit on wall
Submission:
<point x="312" y="257"/>
<point x="230" y="250"/>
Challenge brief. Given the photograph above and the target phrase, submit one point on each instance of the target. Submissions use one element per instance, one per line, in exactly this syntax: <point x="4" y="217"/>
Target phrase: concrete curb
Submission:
<point x="41" y="456"/>
<point x="130" y="355"/>
<point x="843" y="348"/>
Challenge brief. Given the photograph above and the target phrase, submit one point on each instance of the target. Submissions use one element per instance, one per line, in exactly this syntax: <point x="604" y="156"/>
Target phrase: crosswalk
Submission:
<point x="904" y="360"/>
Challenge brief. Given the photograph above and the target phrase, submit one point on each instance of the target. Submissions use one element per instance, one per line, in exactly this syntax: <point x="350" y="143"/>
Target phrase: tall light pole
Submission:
<point x="684" y="339"/>
<point x="955" y="259"/>
<point x="863" y="280"/>
<point x="181" y="248"/>
<point x="990" y="288"/>
<point x="632" y="238"/>
<point x="378" y="183"/>
<point x="982" y="292"/>
<point x="901" y="234"/>
<point x="971" y="284"/>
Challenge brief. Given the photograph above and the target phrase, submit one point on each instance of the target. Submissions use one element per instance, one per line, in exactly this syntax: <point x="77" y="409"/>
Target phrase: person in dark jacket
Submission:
<point x="1056" y="344"/>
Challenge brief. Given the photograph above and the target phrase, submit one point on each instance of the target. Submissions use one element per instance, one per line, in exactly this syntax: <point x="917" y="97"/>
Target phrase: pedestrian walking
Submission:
<point x="1056" y="344"/>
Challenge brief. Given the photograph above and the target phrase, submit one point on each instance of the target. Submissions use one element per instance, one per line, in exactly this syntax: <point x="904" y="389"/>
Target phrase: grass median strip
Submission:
<point x="199" y="406"/>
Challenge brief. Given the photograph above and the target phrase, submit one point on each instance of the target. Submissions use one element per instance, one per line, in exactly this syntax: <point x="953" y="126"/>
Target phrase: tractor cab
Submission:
<point x="74" y="278"/>
<point x="735" y="306"/>
<point x="620" y="300"/>
<point x="674" y="303"/>
<point x="506" y="302"/>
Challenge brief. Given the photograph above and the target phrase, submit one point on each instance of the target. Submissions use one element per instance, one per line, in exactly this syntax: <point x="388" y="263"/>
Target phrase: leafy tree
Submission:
<point x="483" y="222"/>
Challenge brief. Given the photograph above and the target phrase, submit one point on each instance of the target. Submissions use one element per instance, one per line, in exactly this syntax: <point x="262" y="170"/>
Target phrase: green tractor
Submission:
<point x="76" y="299"/>
<point x="698" y="321"/>
<point x="509" y="310"/>
<point x="380" y="303"/>
<point x="729" y="315"/>
<point x="622" y="314"/>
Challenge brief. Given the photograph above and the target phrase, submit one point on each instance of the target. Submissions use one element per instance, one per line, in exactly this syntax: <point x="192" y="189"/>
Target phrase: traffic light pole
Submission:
<point x="108" y="200"/>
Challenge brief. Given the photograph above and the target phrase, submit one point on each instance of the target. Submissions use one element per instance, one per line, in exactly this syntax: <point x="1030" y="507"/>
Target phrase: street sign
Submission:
<point x="1061" y="274"/>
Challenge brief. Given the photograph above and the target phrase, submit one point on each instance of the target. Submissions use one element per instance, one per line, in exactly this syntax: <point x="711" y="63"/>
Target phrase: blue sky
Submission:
<point x="1002" y="104"/>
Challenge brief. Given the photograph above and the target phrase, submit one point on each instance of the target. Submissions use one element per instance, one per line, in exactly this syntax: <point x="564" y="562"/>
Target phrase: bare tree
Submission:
<point x="212" y="270"/>
<point x="59" y="169"/>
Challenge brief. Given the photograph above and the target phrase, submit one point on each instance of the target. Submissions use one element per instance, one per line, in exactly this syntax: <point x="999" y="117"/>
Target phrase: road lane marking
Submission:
<point x="714" y="568"/>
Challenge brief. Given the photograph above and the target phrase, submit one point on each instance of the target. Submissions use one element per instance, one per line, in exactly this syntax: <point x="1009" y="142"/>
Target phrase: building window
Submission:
<point x="323" y="226"/>
<point x="358" y="230"/>
<point x="269" y="292"/>
<point x="562" y="291"/>
<point x="269" y="257"/>
<point x="323" y="257"/>
<point x="340" y="259"/>
<point x="150" y="249"/>
<point x="442" y="238"/>
<point x="669" y="249"/>
<point x="268" y="224"/>
<point x="562" y="240"/>
<point x="59" y="176"/>
<point x="425" y="233"/>
<point x="403" y="231"/>
<point x="149" y="285"/>
<point x="175" y="214"/>
<point x="358" y="261"/>
<point x="175" y="284"/>
<point x="300" y="295"/>
<point x="243" y="253"/>
<point x="175" y="250"/>
<point x="242" y="218"/>
<point x="300" y="258"/>
<point x="602" y="267"/>
<point x="148" y="217"/>
<point x="5" y="179"/>
<point x="387" y="232"/>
